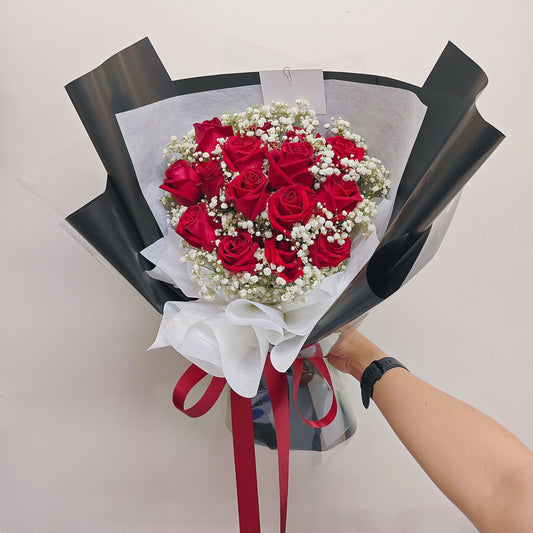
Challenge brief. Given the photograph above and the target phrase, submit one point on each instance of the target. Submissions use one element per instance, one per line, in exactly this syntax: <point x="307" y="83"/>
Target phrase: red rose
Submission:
<point x="339" y="195"/>
<point x="248" y="191"/>
<point x="290" y="164"/>
<point x="345" y="148"/>
<point x="243" y="152"/>
<point x="328" y="254"/>
<point x="280" y="253"/>
<point x="236" y="252"/>
<point x="183" y="182"/>
<point x="211" y="177"/>
<point x="290" y="205"/>
<point x="207" y="133"/>
<point x="197" y="227"/>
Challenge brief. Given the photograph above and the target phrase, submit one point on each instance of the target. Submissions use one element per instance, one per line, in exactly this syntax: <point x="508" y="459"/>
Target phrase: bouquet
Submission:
<point x="265" y="211"/>
<point x="281" y="226"/>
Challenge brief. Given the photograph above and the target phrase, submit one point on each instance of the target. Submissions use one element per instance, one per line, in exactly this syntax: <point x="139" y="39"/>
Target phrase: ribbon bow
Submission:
<point x="243" y="429"/>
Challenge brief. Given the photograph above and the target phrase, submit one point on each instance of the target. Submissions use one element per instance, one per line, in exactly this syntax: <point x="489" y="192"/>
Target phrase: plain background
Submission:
<point x="89" y="439"/>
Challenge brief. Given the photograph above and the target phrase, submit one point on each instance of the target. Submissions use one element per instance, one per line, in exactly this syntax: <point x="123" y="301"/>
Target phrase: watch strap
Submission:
<point x="373" y="372"/>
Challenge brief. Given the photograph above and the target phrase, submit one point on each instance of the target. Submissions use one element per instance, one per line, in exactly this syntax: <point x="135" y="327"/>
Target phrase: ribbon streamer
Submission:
<point x="245" y="469"/>
<point x="243" y="429"/>
<point x="279" y="398"/>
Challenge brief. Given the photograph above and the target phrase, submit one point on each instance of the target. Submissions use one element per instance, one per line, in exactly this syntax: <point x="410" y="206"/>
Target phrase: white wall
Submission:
<point x="89" y="440"/>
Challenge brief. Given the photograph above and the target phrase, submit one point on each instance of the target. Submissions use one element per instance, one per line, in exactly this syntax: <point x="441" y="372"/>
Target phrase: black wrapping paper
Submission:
<point x="119" y="222"/>
<point x="451" y="145"/>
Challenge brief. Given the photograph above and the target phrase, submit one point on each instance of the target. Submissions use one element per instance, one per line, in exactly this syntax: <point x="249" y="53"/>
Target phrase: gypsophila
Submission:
<point x="266" y="206"/>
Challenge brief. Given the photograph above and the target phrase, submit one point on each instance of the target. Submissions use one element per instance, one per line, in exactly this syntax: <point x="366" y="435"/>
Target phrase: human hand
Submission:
<point x="353" y="352"/>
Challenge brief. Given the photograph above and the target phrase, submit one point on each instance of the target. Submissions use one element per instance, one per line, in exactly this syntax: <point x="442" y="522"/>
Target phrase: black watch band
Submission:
<point x="373" y="373"/>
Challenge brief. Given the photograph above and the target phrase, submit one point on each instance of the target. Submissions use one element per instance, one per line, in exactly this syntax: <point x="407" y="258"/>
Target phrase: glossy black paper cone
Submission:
<point x="105" y="224"/>
<point x="119" y="222"/>
<point x="132" y="78"/>
<point x="452" y="144"/>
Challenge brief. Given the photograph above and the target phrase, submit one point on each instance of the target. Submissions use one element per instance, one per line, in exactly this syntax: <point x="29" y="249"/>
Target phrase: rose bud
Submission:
<point x="281" y="254"/>
<point x="207" y="133"/>
<point x="211" y="177"/>
<point x="237" y="252"/>
<point x="243" y="152"/>
<point x="183" y="182"/>
<point x="328" y="254"/>
<point x="345" y="148"/>
<point x="248" y="192"/>
<point x="290" y="205"/>
<point x="290" y="164"/>
<point x="197" y="227"/>
<point x="338" y="195"/>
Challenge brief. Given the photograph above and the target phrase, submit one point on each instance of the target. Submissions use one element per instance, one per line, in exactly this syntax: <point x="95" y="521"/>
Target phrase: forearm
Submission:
<point x="478" y="464"/>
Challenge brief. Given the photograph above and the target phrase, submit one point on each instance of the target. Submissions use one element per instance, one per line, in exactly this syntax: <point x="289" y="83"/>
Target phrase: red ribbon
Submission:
<point x="244" y="457"/>
<point x="243" y="430"/>
<point x="279" y="398"/>
<point x="192" y="376"/>
<point x="320" y="365"/>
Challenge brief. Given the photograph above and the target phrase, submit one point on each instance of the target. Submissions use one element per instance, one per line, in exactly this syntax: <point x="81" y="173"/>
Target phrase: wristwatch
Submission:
<point x="373" y="373"/>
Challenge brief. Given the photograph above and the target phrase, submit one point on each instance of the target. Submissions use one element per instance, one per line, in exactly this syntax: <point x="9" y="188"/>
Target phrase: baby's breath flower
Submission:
<point x="268" y="282"/>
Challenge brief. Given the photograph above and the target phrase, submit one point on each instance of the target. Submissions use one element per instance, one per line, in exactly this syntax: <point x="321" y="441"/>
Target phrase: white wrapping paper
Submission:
<point x="232" y="339"/>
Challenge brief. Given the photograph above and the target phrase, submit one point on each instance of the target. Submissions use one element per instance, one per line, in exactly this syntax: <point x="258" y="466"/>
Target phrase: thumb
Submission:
<point x="339" y="356"/>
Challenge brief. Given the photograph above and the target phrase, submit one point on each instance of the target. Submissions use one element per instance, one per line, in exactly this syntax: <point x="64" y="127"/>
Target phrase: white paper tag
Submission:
<point x="287" y="85"/>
